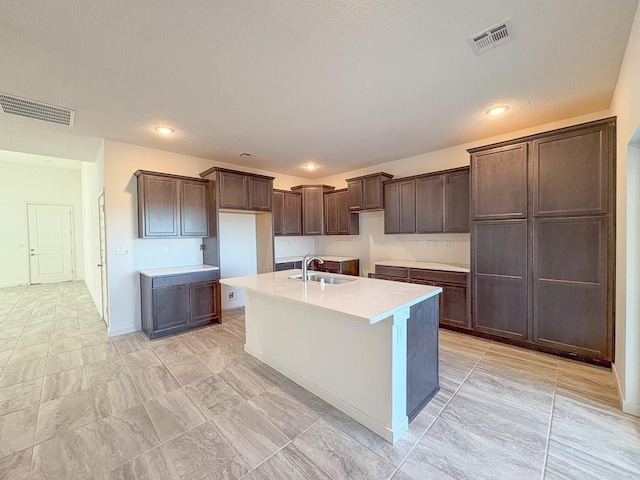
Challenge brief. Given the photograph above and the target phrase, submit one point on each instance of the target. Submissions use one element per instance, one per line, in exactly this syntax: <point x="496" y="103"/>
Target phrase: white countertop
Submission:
<point x="447" y="267"/>
<point x="163" y="272"/>
<point x="364" y="299"/>
<point x="328" y="258"/>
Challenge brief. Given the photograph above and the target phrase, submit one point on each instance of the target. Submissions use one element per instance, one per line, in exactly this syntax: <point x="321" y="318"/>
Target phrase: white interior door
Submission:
<point x="51" y="258"/>
<point x="103" y="259"/>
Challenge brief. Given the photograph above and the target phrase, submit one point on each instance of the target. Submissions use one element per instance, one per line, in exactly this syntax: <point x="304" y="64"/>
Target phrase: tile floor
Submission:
<point x="77" y="404"/>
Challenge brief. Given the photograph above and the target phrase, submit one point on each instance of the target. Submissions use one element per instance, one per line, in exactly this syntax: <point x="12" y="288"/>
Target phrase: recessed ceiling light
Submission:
<point x="499" y="110"/>
<point x="164" y="130"/>
<point x="310" y="166"/>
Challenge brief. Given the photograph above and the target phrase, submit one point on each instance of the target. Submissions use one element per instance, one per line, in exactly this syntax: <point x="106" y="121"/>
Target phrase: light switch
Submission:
<point x="121" y="250"/>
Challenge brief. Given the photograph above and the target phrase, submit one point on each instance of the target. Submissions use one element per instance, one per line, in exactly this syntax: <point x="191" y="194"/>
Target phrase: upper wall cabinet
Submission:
<point x="571" y="172"/>
<point x="433" y="203"/>
<point x="499" y="183"/>
<point x="338" y="219"/>
<point x="240" y="190"/>
<point x="313" y="207"/>
<point x="366" y="192"/>
<point x="172" y="206"/>
<point x="287" y="213"/>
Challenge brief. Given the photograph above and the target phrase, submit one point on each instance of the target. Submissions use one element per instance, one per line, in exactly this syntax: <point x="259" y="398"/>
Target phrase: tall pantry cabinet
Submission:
<point x="543" y="213"/>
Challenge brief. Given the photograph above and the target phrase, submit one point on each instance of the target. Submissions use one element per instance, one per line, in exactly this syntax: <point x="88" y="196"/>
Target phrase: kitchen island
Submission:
<point x="368" y="347"/>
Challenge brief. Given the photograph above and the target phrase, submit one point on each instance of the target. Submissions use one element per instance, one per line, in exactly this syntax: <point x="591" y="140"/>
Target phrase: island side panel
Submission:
<point x="422" y="355"/>
<point x="346" y="362"/>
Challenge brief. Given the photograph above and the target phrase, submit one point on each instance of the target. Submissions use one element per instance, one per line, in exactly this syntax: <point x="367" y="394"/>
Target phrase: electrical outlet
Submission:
<point x="165" y="248"/>
<point x="232" y="295"/>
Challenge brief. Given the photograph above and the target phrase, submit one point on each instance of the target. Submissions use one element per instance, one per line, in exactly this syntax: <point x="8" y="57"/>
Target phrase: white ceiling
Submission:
<point x="343" y="84"/>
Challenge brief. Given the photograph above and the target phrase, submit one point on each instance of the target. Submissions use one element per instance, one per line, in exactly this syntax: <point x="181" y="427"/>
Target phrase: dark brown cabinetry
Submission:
<point x="400" y="206"/>
<point x="344" y="267"/>
<point x="174" y="303"/>
<point x="313" y="207"/>
<point x="433" y="203"/>
<point x="172" y="206"/>
<point x="287" y="213"/>
<point x="365" y="193"/>
<point x="454" y="300"/>
<point x="237" y="190"/>
<point x="287" y="266"/>
<point x="338" y="218"/>
<point x="543" y="241"/>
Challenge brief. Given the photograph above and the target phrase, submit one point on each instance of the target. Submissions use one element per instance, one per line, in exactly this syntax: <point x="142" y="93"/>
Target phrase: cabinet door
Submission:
<point x="570" y="285"/>
<point x="372" y="198"/>
<point x="312" y="214"/>
<point x="170" y="307"/>
<point x="233" y="190"/>
<point x="194" y="209"/>
<point x="571" y="172"/>
<point x="348" y="223"/>
<point x="456" y="201"/>
<point x="355" y="194"/>
<point x="400" y="216"/>
<point x="392" y="207"/>
<point x="331" y="214"/>
<point x="499" y="288"/>
<point x="499" y="183"/>
<point x="204" y="301"/>
<point x="429" y="204"/>
<point x="160" y="202"/>
<point x="277" y="212"/>
<point x="260" y="190"/>
<point x="292" y="214"/>
<point x="454" y="305"/>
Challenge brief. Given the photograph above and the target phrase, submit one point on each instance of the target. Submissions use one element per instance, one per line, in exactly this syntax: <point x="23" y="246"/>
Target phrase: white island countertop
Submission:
<point x="364" y="299"/>
<point x="163" y="272"/>
<point x="447" y="267"/>
<point x="327" y="258"/>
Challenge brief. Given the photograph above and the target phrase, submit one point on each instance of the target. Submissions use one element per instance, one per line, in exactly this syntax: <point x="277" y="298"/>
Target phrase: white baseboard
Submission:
<point x="627" y="407"/>
<point x="389" y="434"/>
<point x="122" y="331"/>
<point x="9" y="285"/>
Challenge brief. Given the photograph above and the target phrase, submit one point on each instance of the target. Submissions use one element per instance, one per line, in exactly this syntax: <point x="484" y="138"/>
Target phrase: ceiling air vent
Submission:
<point x="490" y="38"/>
<point x="36" y="110"/>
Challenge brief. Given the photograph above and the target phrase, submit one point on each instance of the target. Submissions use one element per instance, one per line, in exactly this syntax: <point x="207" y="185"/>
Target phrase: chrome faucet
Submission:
<point x="306" y="260"/>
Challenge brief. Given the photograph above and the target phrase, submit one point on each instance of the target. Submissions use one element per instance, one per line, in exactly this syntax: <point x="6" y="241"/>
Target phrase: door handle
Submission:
<point x="99" y="265"/>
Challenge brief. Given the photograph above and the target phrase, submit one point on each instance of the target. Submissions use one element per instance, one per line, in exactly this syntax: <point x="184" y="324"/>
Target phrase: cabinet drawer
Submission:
<point x="400" y="272"/>
<point x="438" y="276"/>
<point x="332" y="267"/>
<point x="185" y="278"/>
<point x="285" y="266"/>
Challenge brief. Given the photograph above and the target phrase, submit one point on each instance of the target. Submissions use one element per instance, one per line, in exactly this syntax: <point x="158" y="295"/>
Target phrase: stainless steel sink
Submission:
<point x="314" y="277"/>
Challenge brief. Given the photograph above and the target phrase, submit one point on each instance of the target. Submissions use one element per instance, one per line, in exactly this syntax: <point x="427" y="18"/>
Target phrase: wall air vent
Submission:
<point x="491" y="37"/>
<point x="39" y="111"/>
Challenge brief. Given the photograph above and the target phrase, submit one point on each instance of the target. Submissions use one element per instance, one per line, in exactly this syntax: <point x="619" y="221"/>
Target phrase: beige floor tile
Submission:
<point x="141" y="360"/>
<point x="16" y="466"/>
<point x="189" y="370"/>
<point x="29" y="353"/>
<point x="65" y="344"/>
<point x="155" y="464"/>
<point x="19" y="396"/>
<point x="105" y="371"/>
<point x="126" y="435"/>
<point x="203" y="453"/>
<point x="17" y="430"/>
<point x="289" y="464"/>
<point x="173" y="413"/>
<point x="63" y="415"/>
<point x="64" y="361"/>
<point x="213" y="395"/>
<point x="154" y="381"/>
<point x="21" y="372"/>
<point x="64" y="383"/>
<point x="100" y="353"/>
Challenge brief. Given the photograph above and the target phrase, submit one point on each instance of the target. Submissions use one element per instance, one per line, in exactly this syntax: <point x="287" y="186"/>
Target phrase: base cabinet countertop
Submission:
<point x="179" y="298"/>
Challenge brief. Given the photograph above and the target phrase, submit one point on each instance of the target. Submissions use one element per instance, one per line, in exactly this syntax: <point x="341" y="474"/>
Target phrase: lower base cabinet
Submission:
<point x="454" y="300"/>
<point x="174" y="303"/>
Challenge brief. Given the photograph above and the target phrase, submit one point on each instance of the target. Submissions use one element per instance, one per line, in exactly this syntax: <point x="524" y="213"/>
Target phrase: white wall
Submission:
<point x="626" y="105"/>
<point x="121" y="160"/>
<point x="22" y="183"/>
<point x="294" y="246"/>
<point x="238" y="253"/>
<point x="92" y="179"/>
